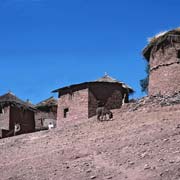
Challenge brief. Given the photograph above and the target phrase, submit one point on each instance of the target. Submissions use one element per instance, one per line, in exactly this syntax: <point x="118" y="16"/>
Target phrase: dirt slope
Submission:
<point x="138" y="145"/>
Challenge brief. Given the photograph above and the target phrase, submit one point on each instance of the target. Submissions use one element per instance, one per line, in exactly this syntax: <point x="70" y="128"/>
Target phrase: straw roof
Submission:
<point x="104" y="79"/>
<point x="10" y="99"/>
<point x="109" y="79"/>
<point x="159" y="39"/>
<point x="47" y="102"/>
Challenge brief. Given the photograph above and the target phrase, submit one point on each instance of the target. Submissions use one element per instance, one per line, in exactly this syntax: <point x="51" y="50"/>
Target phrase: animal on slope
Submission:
<point x="102" y="113"/>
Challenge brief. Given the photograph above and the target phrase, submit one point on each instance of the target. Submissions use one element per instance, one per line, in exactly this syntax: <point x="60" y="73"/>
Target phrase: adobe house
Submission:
<point x="46" y="113"/>
<point x="163" y="56"/>
<point x="80" y="101"/>
<point x="13" y="110"/>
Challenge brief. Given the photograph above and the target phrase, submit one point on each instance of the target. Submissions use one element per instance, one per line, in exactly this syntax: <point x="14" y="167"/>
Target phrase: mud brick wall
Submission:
<point x="164" y="71"/>
<point x="115" y="100"/>
<point x="24" y="117"/>
<point x="41" y="115"/>
<point x="77" y="103"/>
<point x="109" y="94"/>
<point x="92" y="105"/>
<point x="4" y="118"/>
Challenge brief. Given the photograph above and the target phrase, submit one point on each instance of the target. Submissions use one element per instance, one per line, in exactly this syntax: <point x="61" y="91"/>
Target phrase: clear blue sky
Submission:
<point x="47" y="44"/>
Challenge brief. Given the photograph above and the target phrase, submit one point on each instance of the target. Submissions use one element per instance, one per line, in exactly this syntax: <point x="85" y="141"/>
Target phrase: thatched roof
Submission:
<point x="159" y="39"/>
<point x="109" y="79"/>
<point x="10" y="99"/>
<point x="47" y="102"/>
<point x="104" y="79"/>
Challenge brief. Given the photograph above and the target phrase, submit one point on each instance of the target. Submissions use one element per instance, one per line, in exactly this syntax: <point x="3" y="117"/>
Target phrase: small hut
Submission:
<point x="46" y="113"/>
<point x="80" y="101"/>
<point x="15" y="111"/>
<point x="163" y="55"/>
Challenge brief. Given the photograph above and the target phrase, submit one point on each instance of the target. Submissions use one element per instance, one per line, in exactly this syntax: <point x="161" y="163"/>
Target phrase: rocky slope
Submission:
<point x="139" y="144"/>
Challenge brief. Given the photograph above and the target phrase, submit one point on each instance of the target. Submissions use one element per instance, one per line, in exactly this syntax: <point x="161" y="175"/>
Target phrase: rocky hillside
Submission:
<point x="139" y="144"/>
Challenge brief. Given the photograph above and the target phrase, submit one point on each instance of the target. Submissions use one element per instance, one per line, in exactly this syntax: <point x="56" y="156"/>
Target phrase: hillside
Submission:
<point x="141" y="144"/>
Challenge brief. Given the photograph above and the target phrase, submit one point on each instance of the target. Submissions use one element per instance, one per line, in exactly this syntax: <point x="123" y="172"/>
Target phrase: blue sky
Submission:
<point x="47" y="44"/>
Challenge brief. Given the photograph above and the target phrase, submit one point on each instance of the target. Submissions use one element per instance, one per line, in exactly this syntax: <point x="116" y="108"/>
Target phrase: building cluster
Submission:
<point x="80" y="101"/>
<point x="20" y="117"/>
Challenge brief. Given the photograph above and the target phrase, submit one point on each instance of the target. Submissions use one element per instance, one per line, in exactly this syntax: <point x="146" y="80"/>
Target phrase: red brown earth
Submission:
<point x="139" y="144"/>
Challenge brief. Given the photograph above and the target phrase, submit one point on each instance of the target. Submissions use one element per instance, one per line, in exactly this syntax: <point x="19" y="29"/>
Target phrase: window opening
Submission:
<point x="66" y="110"/>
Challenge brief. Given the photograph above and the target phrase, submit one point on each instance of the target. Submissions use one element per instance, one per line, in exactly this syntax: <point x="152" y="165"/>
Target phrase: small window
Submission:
<point x="66" y="110"/>
<point x="178" y="54"/>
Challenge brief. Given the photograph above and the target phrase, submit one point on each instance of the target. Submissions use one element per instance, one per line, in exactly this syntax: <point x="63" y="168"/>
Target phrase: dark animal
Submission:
<point x="101" y="113"/>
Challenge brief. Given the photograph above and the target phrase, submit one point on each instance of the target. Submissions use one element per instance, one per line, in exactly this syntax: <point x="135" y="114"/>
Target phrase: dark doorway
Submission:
<point x="66" y="110"/>
<point x="178" y="54"/>
<point x="1" y="111"/>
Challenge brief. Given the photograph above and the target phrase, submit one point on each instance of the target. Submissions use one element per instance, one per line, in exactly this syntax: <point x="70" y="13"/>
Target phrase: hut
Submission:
<point x="80" y="101"/>
<point x="46" y="113"/>
<point x="15" y="111"/>
<point x="163" y="55"/>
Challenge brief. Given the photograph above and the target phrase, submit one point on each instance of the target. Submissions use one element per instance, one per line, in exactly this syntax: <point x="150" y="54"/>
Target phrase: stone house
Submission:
<point x="163" y="55"/>
<point x="15" y="111"/>
<point x="80" y="101"/>
<point x="46" y="113"/>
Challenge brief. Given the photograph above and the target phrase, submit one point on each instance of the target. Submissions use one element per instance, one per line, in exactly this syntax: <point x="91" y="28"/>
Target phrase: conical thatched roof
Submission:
<point x="159" y="39"/>
<point x="47" y="102"/>
<point x="12" y="100"/>
<point x="104" y="79"/>
<point x="109" y="79"/>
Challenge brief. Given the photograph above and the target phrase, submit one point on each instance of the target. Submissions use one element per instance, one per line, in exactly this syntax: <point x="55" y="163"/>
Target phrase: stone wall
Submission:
<point x="92" y="104"/>
<point x="115" y="100"/>
<point x="110" y="96"/>
<point x="24" y="117"/>
<point x="164" y="71"/>
<point x="40" y="116"/>
<point x="4" y="118"/>
<point x="76" y="104"/>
